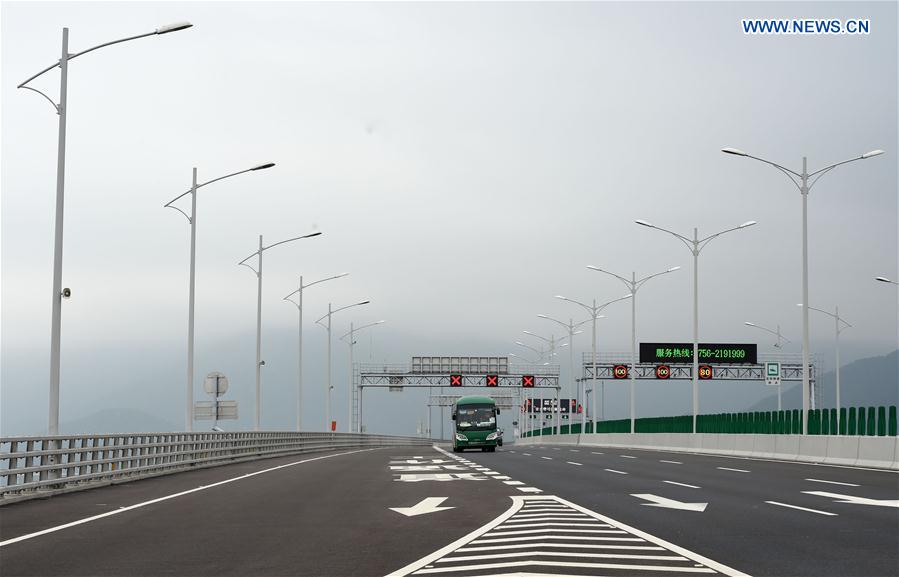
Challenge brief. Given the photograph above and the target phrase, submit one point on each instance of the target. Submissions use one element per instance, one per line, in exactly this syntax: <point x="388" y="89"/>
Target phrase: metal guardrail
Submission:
<point x="42" y="466"/>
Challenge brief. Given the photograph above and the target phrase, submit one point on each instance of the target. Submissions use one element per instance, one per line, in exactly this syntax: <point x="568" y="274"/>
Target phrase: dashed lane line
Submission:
<point x="596" y="453"/>
<point x="614" y="471"/>
<point x="513" y="482"/>
<point x="682" y="484"/>
<point x="833" y="482"/>
<point x="573" y="463"/>
<point x="547" y="458"/>
<point x="627" y="456"/>
<point x="829" y="514"/>
<point x="526" y="454"/>
<point x="735" y="470"/>
<point x="671" y="462"/>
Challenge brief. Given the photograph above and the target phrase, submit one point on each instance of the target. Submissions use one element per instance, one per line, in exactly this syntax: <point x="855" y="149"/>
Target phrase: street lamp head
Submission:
<point x="561" y="297"/>
<point x="734" y="151"/>
<point x="311" y="235"/>
<point x="644" y="223"/>
<point x="173" y="27"/>
<point x="672" y="269"/>
<point x="363" y="302"/>
<point x="263" y="166"/>
<point x="877" y="152"/>
<point x="591" y="267"/>
<point x="748" y="223"/>
<point x="883" y="279"/>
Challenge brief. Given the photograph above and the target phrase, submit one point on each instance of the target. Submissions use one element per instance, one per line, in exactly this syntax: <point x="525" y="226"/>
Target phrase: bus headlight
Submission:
<point x="461" y="437"/>
<point x="492" y="436"/>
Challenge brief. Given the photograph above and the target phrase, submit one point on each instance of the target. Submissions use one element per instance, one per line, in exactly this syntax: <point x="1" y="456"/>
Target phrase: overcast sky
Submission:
<point x="465" y="162"/>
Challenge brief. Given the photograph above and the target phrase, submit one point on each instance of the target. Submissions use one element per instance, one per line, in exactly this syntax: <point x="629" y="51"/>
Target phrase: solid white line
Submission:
<point x="735" y="470"/>
<point x="833" y="482"/>
<point x="672" y="462"/>
<point x="561" y="554"/>
<point x="801" y="508"/>
<point x="566" y="564"/>
<point x="573" y="463"/>
<point x="682" y="484"/>
<point x="167" y="497"/>
<point x="560" y="537"/>
<point x="547" y="458"/>
<point x="529" y="489"/>
<point x="614" y="471"/>
<point x="513" y="482"/>
<point x="563" y="545"/>
<point x="627" y="456"/>
<point x="496" y="533"/>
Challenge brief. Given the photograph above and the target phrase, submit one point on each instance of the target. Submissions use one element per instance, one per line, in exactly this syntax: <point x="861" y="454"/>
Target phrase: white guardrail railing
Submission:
<point x="33" y="467"/>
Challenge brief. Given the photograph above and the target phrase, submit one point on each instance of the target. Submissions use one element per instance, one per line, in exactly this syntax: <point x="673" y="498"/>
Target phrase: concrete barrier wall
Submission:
<point x="874" y="452"/>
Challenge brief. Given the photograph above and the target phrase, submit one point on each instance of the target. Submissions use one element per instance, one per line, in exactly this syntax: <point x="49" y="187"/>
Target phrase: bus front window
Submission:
<point x="476" y="418"/>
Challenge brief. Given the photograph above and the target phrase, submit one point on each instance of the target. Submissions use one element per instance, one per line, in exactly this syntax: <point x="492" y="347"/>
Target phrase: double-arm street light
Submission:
<point x="804" y="185"/>
<point x="192" y="219"/>
<point x="695" y="245"/>
<point x="781" y="340"/>
<point x="593" y="311"/>
<point x="552" y="342"/>
<point x="351" y="388"/>
<point x="332" y="311"/>
<point x="571" y="327"/>
<point x="259" y="361"/>
<point x="299" y="304"/>
<point x="61" y="110"/>
<point x="840" y="325"/>
<point x="633" y="285"/>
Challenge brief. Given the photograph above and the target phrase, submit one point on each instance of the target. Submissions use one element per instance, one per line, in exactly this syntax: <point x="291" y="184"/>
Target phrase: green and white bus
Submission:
<point x="475" y="418"/>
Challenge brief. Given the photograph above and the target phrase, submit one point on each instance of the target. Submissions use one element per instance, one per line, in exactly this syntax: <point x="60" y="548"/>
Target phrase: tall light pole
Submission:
<point x="556" y="414"/>
<point x="351" y="387"/>
<point x="780" y="341"/>
<point x="633" y="285"/>
<point x="259" y="361"/>
<point x="525" y="424"/>
<point x="804" y="187"/>
<point x="571" y="327"/>
<point x="332" y="311"/>
<point x="695" y="245"/>
<point x="299" y="304"/>
<point x="840" y="325"/>
<point x="192" y="220"/>
<point x="594" y="311"/>
<point x="62" y="110"/>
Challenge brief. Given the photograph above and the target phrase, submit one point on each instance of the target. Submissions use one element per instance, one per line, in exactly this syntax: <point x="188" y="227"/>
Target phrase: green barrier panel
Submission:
<point x="862" y="420"/>
<point x="892" y="425"/>
<point x="851" y="421"/>
<point x="872" y="424"/>
<point x="795" y="428"/>
<point x="843" y="426"/>
<point x="881" y="421"/>
<point x="834" y="430"/>
<point x="813" y="427"/>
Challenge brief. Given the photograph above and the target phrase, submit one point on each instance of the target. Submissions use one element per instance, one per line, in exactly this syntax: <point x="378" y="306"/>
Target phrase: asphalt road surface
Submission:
<point x="427" y="511"/>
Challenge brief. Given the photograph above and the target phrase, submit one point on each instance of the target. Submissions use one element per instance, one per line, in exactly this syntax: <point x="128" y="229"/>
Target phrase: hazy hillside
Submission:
<point x="117" y="421"/>
<point x="872" y="381"/>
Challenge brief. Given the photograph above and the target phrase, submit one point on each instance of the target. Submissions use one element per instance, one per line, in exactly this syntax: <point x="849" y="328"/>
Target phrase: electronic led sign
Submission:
<point x="709" y="353"/>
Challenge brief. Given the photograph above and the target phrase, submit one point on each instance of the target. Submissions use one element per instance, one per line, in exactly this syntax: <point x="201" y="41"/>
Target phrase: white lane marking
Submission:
<point x="540" y="509"/>
<point x="574" y="450"/>
<point x="682" y="484"/>
<point x="548" y="517"/>
<point x="556" y="449"/>
<point x="585" y="523"/>
<point x="547" y="458"/>
<point x="491" y="473"/>
<point x="423" y="507"/>
<point x="529" y="489"/>
<point x="566" y="512"/>
<point x="563" y="546"/>
<point x="656" y="501"/>
<point x="528" y="454"/>
<point x="573" y="463"/>
<point x="565" y="564"/>
<point x="513" y="482"/>
<point x="503" y="533"/>
<point x="735" y="470"/>
<point x="614" y="471"/>
<point x="596" y="453"/>
<point x="502" y="477"/>
<point x="671" y="462"/>
<point x="563" y="554"/>
<point x="167" y="497"/>
<point x="801" y="508"/>
<point x="511" y="451"/>
<point x="840" y="498"/>
<point x="564" y="537"/>
<point x="627" y="456"/>
<point x="833" y="482"/>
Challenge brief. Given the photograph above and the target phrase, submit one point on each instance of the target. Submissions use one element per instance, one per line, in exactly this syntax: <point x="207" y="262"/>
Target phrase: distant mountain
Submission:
<point x="117" y="421"/>
<point x="873" y="381"/>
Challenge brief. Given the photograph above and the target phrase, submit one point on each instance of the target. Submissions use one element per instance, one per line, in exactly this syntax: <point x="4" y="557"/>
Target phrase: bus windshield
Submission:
<point x="476" y="418"/>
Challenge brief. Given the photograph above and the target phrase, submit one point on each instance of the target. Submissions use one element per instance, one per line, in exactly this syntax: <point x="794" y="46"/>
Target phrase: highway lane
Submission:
<point x="750" y="523"/>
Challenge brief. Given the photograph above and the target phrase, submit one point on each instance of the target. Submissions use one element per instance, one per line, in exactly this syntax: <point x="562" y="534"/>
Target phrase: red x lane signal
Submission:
<point x="663" y="371"/>
<point x="455" y="380"/>
<point x="619" y="371"/>
<point x="527" y="381"/>
<point x="492" y="380"/>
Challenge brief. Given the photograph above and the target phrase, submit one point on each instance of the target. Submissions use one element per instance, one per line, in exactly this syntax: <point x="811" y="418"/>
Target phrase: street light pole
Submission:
<point x="259" y="361"/>
<point x="838" y="329"/>
<point x="352" y="385"/>
<point x="571" y="327"/>
<point x="695" y="245"/>
<point x="594" y="311"/>
<point x="552" y="352"/>
<point x="192" y="220"/>
<point x="299" y="304"/>
<point x="61" y="111"/>
<point x="780" y="340"/>
<point x="633" y="285"/>
<point x="332" y="311"/>
<point x="804" y="187"/>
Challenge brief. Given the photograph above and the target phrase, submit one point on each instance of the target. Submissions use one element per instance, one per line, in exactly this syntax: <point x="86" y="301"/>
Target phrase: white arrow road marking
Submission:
<point x="670" y="503"/>
<point x="427" y="505"/>
<point x="855" y="500"/>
